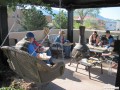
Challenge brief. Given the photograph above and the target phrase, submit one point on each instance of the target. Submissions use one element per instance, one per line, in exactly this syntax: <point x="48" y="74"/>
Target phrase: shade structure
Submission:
<point x="75" y="4"/>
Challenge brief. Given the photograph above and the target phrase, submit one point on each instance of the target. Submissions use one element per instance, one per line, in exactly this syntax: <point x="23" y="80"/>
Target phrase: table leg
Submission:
<point x="109" y="67"/>
<point x="101" y="68"/>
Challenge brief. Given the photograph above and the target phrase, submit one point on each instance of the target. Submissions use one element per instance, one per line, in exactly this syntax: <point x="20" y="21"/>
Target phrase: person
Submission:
<point x="26" y="44"/>
<point x="61" y="40"/>
<point x="110" y="39"/>
<point x="115" y="59"/>
<point x="94" y="39"/>
<point x="117" y="50"/>
<point x="40" y="48"/>
<point x="103" y="41"/>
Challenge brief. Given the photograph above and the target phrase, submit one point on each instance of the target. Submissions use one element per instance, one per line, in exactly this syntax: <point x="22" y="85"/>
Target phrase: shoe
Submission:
<point x="49" y="65"/>
<point x="52" y="63"/>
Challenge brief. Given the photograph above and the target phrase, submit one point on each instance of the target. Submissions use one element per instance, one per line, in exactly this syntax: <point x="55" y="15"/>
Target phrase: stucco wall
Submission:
<point x="39" y="34"/>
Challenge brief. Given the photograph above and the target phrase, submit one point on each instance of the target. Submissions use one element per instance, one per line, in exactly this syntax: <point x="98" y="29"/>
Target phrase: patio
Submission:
<point x="72" y="80"/>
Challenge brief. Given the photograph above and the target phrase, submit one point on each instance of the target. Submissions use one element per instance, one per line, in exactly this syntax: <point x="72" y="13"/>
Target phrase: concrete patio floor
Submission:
<point x="79" y="80"/>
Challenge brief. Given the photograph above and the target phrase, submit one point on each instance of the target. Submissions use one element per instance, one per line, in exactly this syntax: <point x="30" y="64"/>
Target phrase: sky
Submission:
<point x="111" y="13"/>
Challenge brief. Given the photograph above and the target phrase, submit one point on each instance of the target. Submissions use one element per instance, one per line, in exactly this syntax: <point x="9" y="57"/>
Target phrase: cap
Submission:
<point x="29" y="35"/>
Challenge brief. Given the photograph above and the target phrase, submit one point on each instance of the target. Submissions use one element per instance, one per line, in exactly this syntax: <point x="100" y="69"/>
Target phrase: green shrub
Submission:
<point x="9" y="88"/>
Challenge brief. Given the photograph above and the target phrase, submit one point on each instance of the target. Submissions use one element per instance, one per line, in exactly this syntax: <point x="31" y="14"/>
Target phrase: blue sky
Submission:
<point x="111" y="12"/>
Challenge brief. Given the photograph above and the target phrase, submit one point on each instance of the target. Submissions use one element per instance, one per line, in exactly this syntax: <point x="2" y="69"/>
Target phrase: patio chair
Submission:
<point x="31" y="68"/>
<point x="12" y="41"/>
<point x="56" y="48"/>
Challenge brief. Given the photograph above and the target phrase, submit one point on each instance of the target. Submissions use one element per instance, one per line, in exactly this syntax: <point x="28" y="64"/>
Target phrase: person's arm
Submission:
<point x="31" y="50"/>
<point x="107" y="54"/>
<point x="90" y="40"/>
<point x="97" y="40"/>
<point x="36" y="43"/>
<point x="111" y="41"/>
<point x="57" y="40"/>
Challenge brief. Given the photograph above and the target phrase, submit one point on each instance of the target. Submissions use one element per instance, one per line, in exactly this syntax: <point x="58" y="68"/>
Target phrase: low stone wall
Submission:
<point x="39" y="34"/>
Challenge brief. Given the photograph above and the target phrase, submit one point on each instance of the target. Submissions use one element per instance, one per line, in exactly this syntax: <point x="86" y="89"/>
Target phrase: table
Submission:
<point x="96" y="47"/>
<point x="89" y="64"/>
<point x="98" y="52"/>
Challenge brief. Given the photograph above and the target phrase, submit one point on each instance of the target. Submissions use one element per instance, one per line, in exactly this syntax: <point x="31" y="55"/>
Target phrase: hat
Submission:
<point x="29" y="35"/>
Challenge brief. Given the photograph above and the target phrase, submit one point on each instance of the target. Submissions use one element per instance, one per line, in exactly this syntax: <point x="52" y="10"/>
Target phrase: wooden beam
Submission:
<point x="3" y="32"/>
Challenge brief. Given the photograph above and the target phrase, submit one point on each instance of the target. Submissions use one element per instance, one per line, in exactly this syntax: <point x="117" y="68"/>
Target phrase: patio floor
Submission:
<point x="72" y="80"/>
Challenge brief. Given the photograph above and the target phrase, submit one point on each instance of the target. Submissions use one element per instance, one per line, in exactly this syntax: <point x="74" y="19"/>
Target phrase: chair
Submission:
<point x="12" y="41"/>
<point x="31" y="68"/>
<point x="52" y="38"/>
<point x="56" y="48"/>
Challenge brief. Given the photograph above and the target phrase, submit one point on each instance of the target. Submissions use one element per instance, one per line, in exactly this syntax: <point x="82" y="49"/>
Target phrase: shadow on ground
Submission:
<point x="52" y="86"/>
<point x="68" y="74"/>
<point x="105" y="77"/>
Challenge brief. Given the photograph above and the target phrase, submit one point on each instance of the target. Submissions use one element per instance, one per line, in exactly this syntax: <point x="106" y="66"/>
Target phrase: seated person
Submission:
<point x="61" y="39"/>
<point x="26" y="44"/>
<point x="110" y="40"/>
<point x="115" y="50"/>
<point x="103" y="41"/>
<point x="94" y="39"/>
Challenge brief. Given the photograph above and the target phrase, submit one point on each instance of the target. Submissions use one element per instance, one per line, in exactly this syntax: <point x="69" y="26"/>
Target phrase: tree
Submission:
<point x="33" y="19"/>
<point x="60" y="20"/>
<point x="87" y="12"/>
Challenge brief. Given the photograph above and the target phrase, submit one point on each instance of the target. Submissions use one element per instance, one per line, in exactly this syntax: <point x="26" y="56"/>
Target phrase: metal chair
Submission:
<point x="56" y="48"/>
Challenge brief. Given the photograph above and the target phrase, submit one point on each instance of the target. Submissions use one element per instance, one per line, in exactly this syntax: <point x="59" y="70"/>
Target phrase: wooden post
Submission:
<point x="3" y="31"/>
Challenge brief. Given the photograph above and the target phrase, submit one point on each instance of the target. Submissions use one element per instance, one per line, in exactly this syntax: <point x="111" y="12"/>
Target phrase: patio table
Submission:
<point x="97" y="50"/>
<point x="89" y="63"/>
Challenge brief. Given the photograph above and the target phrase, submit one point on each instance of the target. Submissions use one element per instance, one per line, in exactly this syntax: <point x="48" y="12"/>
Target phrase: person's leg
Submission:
<point x="67" y="50"/>
<point x="50" y="54"/>
<point x="47" y="61"/>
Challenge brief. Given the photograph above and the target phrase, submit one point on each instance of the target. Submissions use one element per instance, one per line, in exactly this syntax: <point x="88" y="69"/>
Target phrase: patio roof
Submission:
<point x="74" y="4"/>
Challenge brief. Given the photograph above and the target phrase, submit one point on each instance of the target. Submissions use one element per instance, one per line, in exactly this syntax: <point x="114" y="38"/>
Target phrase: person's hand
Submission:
<point x="106" y="54"/>
<point x="41" y="49"/>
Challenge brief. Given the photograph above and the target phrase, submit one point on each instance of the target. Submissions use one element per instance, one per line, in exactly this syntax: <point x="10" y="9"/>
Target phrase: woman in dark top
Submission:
<point x="94" y="39"/>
